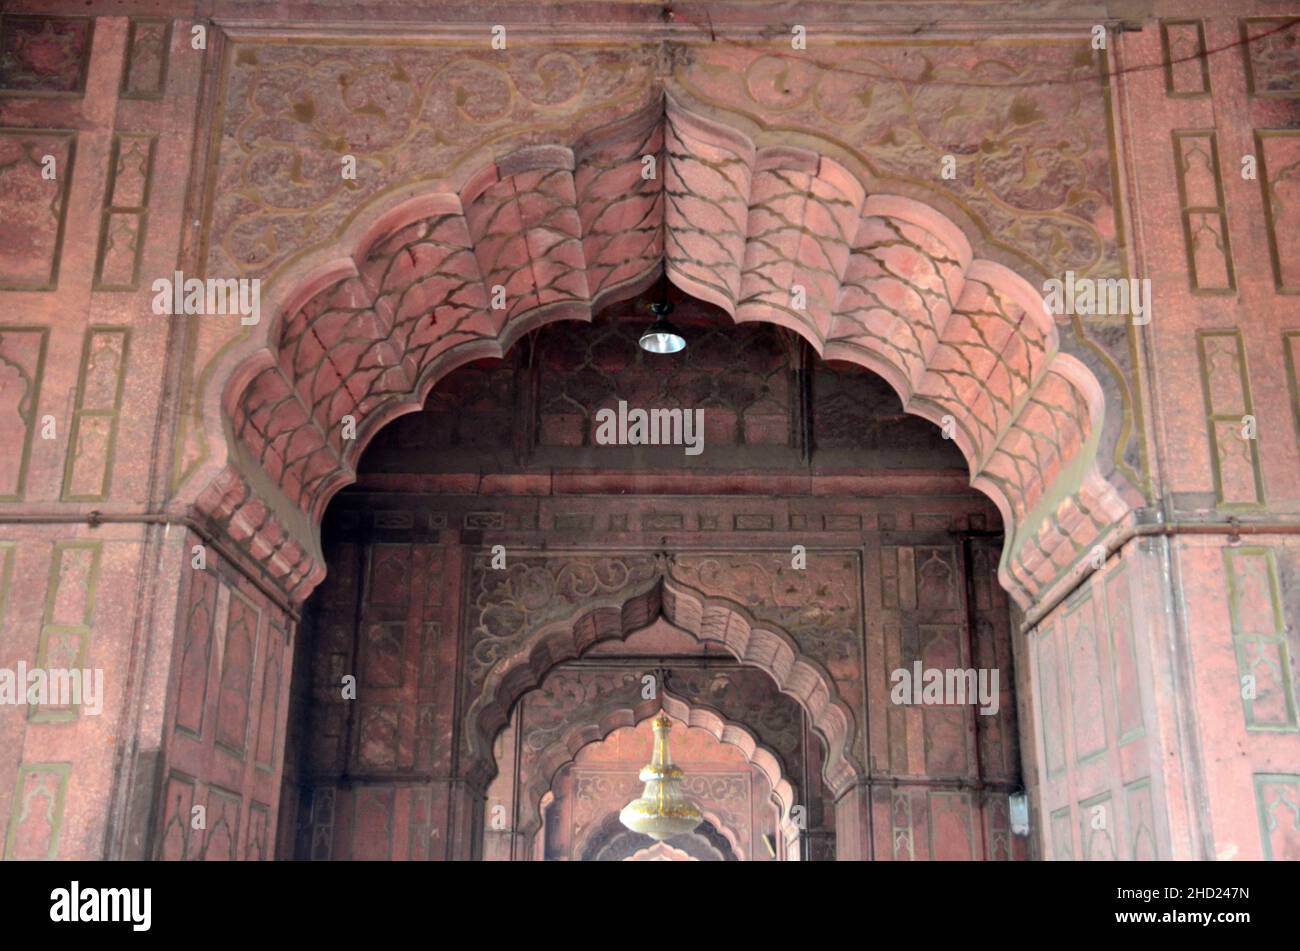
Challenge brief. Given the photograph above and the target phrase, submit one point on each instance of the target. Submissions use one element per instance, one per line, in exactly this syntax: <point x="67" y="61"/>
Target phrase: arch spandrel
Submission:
<point x="885" y="282"/>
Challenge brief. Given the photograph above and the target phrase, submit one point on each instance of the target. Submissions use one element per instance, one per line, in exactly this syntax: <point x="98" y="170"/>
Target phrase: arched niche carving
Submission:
<point x="619" y="715"/>
<point x="517" y="664"/>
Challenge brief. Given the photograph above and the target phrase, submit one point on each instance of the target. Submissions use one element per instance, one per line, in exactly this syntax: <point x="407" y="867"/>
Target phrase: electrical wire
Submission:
<point x="840" y="68"/>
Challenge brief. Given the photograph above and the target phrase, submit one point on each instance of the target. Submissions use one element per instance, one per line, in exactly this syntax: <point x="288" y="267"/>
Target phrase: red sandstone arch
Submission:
<point x="366" y="328"/>
<point x="565" y="749"/>
<point x="654" y="852"/>
<point x="708" y="619"/>
<point x="590" y="845"/>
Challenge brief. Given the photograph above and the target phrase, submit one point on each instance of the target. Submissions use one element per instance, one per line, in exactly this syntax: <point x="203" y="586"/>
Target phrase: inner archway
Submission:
<point x="613" y="843"/>
<point x="741" y="812"/>
<point x="491" y="541"/>
<point x="709" y="620"/>
<point x="590" y="704"/>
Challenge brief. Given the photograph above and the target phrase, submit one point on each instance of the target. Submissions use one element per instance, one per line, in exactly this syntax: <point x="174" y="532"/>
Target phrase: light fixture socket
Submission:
<point x="1018" y="808"/>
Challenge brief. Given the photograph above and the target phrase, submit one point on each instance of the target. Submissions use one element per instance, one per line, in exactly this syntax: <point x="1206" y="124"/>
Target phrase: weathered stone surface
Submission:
<point x="133" y="437"/>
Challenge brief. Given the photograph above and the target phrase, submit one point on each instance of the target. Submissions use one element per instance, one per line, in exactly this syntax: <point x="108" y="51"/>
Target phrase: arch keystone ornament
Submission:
<point x="423" y="283"/>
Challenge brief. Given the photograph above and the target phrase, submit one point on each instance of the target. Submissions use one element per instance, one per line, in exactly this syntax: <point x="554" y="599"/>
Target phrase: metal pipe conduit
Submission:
<point x="1232" y="528"/>
<point x="96" y="518"/>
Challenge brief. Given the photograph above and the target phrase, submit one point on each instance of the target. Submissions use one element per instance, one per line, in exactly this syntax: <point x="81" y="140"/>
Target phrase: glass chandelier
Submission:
<point x="661" y="812"/>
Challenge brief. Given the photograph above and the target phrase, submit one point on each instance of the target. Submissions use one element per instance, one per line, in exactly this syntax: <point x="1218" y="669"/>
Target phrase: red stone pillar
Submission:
<point x="502" y="807"/>
<point x="84" y="400"/>
<point x="1164" y="711"/>
<point x="853" y="824"/>
<point x="1240" y="715"/>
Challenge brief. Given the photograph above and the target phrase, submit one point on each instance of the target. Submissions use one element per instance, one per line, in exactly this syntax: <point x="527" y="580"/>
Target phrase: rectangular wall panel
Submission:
<point x="126" y="212"/>
<point x="1260" y="640"/>
<point x="1278" y="151"/>
<point x="1204" y="212"/>
<point x="1234" y="457"/>
<point x="93" y="439"/>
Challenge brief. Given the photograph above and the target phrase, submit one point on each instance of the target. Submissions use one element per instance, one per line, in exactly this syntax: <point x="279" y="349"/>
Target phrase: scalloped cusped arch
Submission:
<point x="778" y="234"/>
<point x="709" y="620"/>
<point x="711" y="837"/>
<point x="565" y="748"/>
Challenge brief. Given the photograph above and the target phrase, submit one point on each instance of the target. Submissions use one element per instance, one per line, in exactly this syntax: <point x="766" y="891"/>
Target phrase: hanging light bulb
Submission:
<point x="661" y="812"/>
<point x="662" y="337"/>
